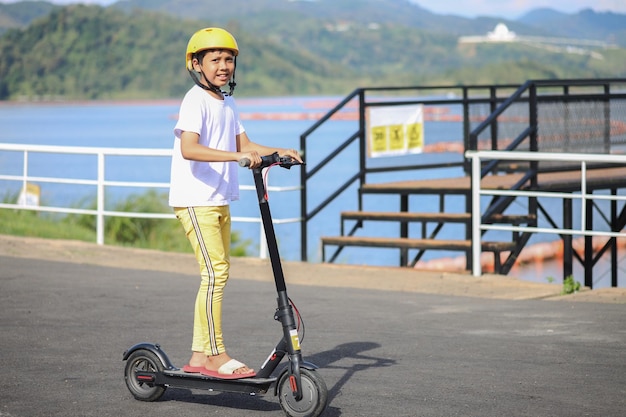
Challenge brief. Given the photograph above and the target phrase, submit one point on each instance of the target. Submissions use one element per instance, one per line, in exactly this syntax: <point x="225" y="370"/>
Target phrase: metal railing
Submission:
<point x="492" y="117"/>
<point x="100" y="183"/>
<point x="541" y="103"/>
<point x="471" y="100"/>
<point x="478" y="157"/>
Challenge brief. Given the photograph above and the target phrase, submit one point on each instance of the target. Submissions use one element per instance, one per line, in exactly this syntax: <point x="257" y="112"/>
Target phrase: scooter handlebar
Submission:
<point x="267" y="160"/>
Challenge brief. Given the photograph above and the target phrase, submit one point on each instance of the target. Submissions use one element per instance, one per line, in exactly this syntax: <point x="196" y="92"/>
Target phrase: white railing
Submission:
<point x="101" y="183"/>
<point x="477" y="226"/>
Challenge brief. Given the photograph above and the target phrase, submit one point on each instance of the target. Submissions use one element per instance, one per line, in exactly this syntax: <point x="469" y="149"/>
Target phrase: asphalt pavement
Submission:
<point x="65" y="324"/>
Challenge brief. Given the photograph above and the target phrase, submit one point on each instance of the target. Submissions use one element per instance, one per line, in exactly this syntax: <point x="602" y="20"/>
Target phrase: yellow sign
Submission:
<point x="30" y="195"/>
<point x="395" y="130"/>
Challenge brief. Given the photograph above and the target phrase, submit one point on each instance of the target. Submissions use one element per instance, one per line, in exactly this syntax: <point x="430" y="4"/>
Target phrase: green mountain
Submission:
<point x="21" y="14"/>
<point x="91" y="52"/>
<point x="268" y="14"/>
<point x="587" y="24"/>
<point x="287" y="48"/>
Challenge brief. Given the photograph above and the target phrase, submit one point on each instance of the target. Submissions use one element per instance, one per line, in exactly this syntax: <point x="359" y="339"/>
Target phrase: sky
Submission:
<point x="509" y="9"/>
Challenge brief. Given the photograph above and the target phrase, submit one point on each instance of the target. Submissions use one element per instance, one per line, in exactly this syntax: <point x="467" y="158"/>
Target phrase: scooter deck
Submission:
<point x="179" y="378"/>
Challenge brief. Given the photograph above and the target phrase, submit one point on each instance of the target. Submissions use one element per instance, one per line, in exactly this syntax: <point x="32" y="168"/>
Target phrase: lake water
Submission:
<point x="275" y="122"/>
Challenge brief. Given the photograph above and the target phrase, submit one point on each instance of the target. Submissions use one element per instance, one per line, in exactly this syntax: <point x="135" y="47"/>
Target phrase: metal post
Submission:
<point x="404" y="230"/>
<point x="476" y="217"/>
<point x="607" y="119"/>
<point x="466" y="128"/>
<point x="100" y="203"/>
<point x="587" y="225"/>
<point x="362" y="145"/>
<point x="588" y="259"/>
<point x="614" y="265"/>
<point x="494" y="126"/>
<point x="533" y="119"/>
<point x="568" y="254"/>
<point x="25" y="176"/>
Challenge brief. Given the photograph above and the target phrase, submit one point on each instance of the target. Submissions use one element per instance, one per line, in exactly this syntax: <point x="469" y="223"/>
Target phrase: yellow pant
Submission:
<point x="208" y="231"/>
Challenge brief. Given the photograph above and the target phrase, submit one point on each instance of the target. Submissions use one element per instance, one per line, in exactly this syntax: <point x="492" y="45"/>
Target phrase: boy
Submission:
<point x="209" y="140"/>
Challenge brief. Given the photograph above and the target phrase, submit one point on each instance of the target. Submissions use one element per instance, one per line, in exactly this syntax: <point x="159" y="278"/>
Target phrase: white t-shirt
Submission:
<point x="194" y="183"/>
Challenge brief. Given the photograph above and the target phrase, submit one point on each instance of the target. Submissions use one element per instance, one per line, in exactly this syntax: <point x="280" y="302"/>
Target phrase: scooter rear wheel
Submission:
<point x="314" y="395"/>
<point x="146" y="361"/>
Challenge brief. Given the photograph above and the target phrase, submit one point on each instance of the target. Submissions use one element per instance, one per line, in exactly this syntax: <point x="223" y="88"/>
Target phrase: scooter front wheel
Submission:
<point x="314" y="395"/>
<point x="143" y="361"/>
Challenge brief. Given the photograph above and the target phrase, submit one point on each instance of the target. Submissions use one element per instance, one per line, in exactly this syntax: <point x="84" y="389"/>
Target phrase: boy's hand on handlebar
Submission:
<point x="252" y="159"/>
<point x="287" y="159"/>
<point x="292" y="153"/>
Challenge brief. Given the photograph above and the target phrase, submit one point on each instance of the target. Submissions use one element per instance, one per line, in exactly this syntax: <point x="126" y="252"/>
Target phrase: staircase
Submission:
<point x="585" y="116"/>
<point x="431" y="223"/>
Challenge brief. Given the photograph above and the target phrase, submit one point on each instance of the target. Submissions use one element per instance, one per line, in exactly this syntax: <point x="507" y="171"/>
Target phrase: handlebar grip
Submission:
<point x="269" y="160"/>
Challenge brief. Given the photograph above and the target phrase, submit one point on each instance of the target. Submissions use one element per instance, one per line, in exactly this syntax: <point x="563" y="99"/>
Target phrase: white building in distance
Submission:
<point x="502" y="34"/>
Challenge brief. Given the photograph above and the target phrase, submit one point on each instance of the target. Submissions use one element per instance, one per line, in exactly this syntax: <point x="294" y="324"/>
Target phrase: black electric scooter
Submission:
<point x="301" y="391"/>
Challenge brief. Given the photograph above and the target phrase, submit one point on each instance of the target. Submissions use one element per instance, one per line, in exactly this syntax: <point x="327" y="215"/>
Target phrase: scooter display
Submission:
<point x="300" y="389"/>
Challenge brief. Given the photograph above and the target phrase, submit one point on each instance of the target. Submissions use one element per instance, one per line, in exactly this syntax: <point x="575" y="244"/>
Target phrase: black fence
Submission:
<point x="545" y="115"/>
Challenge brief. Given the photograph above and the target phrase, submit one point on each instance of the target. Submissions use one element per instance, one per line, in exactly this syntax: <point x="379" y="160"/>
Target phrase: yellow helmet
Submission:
<point x="210" y="38"/>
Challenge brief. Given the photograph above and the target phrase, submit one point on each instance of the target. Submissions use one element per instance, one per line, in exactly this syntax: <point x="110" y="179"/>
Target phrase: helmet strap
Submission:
<point x="232" y="82"/>
<point x="212" y="87"/>
<point x="209" y="87"/>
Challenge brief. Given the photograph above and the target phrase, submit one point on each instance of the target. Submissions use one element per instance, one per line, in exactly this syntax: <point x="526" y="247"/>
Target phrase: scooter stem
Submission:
<point x="284" y="313"/>
<point x="270" y="235"/>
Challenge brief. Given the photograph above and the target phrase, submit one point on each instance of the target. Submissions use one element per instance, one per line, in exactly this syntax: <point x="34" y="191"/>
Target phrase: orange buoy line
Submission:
<point x="343" y="115"/>
<point x="433" y="114"/>
<point x="533" y="254"/>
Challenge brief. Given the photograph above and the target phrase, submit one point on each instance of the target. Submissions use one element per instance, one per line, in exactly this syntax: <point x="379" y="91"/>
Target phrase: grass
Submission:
<point x="33" y="224"/>
<point x="160" y="234"/>
<point x="570" y="285"/>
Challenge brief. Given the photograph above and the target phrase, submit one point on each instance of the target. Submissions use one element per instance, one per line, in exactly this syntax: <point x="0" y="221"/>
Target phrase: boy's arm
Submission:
<point x="191" y="149"/>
